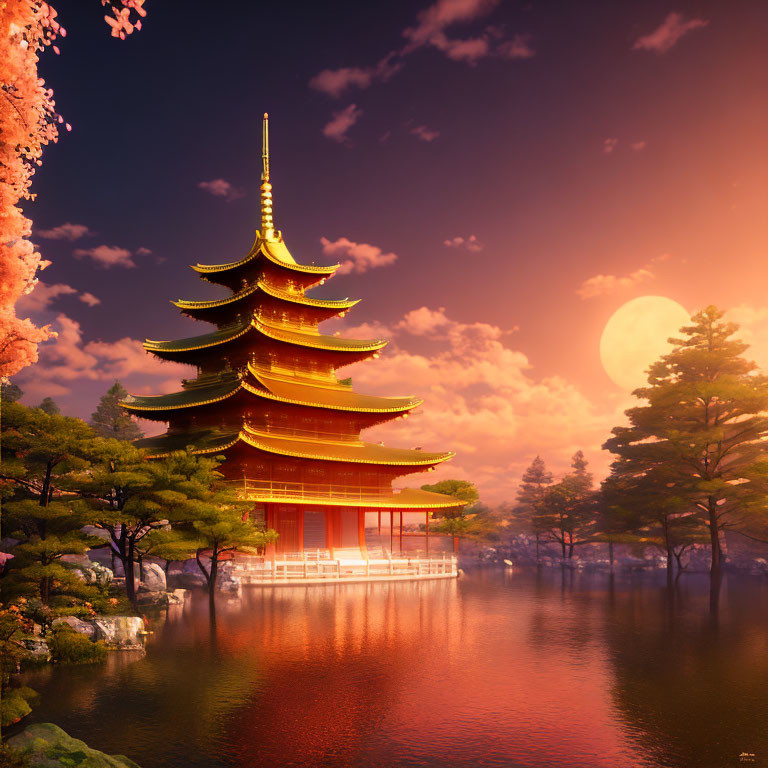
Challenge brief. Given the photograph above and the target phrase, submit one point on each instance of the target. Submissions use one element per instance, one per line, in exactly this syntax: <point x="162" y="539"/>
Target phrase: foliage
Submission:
<point x="567" y="511"/>
<point x="699" y="437"/>
<point x="17" y="703"/>
<point x="30" y="122"/>
<point x="530" y="495"/>
<point x="12" y="758"/>
<point x="459" y="489"/>
<point x="70" y="647"/>
<point x="49" y="406"/>
<point x="10" y="392"/>
<point x="110" y="420"/>
<point x="41" y="452"/>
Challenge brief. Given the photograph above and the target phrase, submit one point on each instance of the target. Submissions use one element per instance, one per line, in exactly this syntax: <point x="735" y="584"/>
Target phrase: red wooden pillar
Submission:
<point x="391" y="530"/>
<point x="401" y="531"/>
<point x="427" y="514"/>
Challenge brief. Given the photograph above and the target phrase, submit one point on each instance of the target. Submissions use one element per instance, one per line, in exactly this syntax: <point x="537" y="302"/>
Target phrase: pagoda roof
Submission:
<point x="355" y="452"/>
<point x="270" y="290"/>
<point x="221" y="336"/>
<point x="407" y="498"/>
<point x="212" y="441"/>
<point x="187" y="398"/>
<point x="319" y="341"/>
<point x="274" y="251"/>
<point x="335" y="397"/>
<point x="236" y="330"/>
<point x="201" y="441"/>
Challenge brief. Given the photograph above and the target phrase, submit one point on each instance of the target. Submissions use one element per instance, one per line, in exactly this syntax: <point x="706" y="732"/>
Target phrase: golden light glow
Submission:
<point x="636" y="336"/>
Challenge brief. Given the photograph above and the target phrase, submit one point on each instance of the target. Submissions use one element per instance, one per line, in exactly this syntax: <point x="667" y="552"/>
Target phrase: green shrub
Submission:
<point x="17" y="703"/>
<point x="10" y="758"/>
<point x="70" y="647"/>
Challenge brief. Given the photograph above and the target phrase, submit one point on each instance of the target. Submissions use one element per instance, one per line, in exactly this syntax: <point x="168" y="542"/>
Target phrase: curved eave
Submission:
<point x="197" y="342"/>
<point x="361" y="453"/>
<point x="333" y="304"/>
<point x="328" y="343"/>
<point x="164" y="445"/>
<point x="175" y="401"/>
<point x="405" y="499"/>
<point x="396" y="407"/>
<point x="262" y="247"/>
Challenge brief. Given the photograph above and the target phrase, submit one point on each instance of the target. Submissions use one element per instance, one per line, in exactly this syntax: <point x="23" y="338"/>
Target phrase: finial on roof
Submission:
<point x="267" y="224"/>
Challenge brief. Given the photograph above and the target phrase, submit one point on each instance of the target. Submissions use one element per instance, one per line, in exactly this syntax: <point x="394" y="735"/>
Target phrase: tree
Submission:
<point x="459" y="489"/>
<point x="567" y="511"/>
<point x="110" y="420"/>
<point x="132" y="498"/>
<point x="30" y="122"/>
<point x="41" y="452"/>
<point x="49" y="406"/>
<point x="220" y="528"/>
<point x="11" y="392"/>
<point x="530" y="494"/>
<point x="702" y="427"/>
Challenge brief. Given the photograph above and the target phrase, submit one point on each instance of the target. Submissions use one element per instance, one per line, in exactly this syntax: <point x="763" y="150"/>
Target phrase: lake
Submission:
<point x="522" y="668"/>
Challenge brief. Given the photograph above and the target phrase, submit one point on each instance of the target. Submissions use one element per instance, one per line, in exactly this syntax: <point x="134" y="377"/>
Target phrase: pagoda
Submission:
<point x="267" y="397"/>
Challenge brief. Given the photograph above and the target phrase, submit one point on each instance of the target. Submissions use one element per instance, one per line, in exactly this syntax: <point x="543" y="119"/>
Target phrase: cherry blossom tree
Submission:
<point x="28" y="123"/>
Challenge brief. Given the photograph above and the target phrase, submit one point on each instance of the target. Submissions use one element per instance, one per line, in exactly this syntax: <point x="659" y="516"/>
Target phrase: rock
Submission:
<point x="188" y="580"/>
<point x="78" y="625"/>
<point x="123" y="632"/>
<point x="152" y="578"/>
<point x="38" y="647"/>
<point x="162" y="598"/>
<point x="92" y="573"/>
<point x="48" y="746"/>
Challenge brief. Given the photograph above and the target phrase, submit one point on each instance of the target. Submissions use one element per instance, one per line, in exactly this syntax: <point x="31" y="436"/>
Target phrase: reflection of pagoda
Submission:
<point x="267" y="397"/>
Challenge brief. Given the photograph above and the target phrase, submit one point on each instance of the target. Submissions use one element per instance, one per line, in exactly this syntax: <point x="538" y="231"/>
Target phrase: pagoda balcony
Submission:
<point x="328" y="493"/>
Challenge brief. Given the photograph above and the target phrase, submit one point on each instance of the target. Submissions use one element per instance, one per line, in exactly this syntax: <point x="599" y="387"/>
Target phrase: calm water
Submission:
<point x="495" y="669"/>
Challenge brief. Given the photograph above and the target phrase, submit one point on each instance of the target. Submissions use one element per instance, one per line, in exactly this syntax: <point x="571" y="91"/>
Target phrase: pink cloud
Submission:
<point x="609" y="145"/>
<point x="143" y="251"/>
<point x="107" y="256"/>
<point x="516" y="48"/>
<point x="89" y="299"/>
<point x="356" y="257"/>
<point x="424" y="133"/>
<point x="221" y="188"/>
<point x="470" y="243"/>
<point x="42" y="296"/>
<point x="337" y="128"/>
<point x="66" y="231"/>
<point x="482" y="401"/>
<point x="605" y="285"/>
<point x="430" y="30"/>
<point x="68" y="359"/>
<point x="668" y="33"/>
<point x="335" y="81"/>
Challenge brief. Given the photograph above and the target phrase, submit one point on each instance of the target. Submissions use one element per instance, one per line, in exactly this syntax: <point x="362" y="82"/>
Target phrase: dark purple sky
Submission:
<point x="596" y="151"/>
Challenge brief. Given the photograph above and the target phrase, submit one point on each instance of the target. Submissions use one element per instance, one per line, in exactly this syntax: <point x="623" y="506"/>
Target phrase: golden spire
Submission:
<point x="267" y="225"/>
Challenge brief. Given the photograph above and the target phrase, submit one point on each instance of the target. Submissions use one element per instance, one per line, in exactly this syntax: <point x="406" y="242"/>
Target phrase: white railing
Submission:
<point x="320" y="566"/>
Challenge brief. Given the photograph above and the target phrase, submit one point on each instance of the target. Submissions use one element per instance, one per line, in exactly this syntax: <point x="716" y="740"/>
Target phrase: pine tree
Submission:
<point x="703" y="427"/>
<point x="110" y="420"/>
<point x="50" y="407"/>
<point x="11" y="392"/>
<point x="530" y="494"/>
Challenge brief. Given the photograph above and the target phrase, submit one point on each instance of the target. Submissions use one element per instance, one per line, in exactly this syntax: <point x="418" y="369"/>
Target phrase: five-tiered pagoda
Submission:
<point x="266" y="395"/>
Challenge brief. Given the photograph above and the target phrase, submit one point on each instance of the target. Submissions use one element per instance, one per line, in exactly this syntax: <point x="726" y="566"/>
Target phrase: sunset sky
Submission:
<point x="498" y="177"/>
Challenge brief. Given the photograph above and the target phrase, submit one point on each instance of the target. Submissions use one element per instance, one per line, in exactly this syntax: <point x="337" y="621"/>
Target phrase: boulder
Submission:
<point x="78" y="625"/>
<point x="123" y="632"/>
<point x="38" y="647"/>
<point x="162" y="598"/>
<point x="152" y="578"/>
<point x="45" y="745"/>
<point x="187" y="580"/>
<point x="92" y="573"/>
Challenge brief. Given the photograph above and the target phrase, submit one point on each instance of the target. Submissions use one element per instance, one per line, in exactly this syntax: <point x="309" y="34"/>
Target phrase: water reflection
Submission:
<point x="538" y="668"/>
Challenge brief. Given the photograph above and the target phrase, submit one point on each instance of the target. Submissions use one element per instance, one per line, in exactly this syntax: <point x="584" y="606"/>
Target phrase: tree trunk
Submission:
<point x="214" y="575"/>
<point x="610" y="553"/>
<point x="202" y="568"/>
<point x="537" y="546"/>
<point x="562" y="543"/>
<point x="714" y="535"/>
<point x="130" y="573"/>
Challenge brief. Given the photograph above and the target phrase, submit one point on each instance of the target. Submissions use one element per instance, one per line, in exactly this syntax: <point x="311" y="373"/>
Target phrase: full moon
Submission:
<point x="636" y="336"/>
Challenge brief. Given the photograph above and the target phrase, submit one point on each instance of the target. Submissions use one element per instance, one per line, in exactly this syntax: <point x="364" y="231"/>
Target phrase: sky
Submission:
<point x="497" y="178"/>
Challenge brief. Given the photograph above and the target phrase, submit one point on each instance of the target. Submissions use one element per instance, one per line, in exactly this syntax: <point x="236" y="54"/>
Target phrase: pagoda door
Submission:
<point x="314" y="529"/>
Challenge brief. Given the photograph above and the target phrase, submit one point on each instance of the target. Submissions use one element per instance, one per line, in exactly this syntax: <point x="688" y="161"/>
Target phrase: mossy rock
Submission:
<point x="45" y="745"/>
